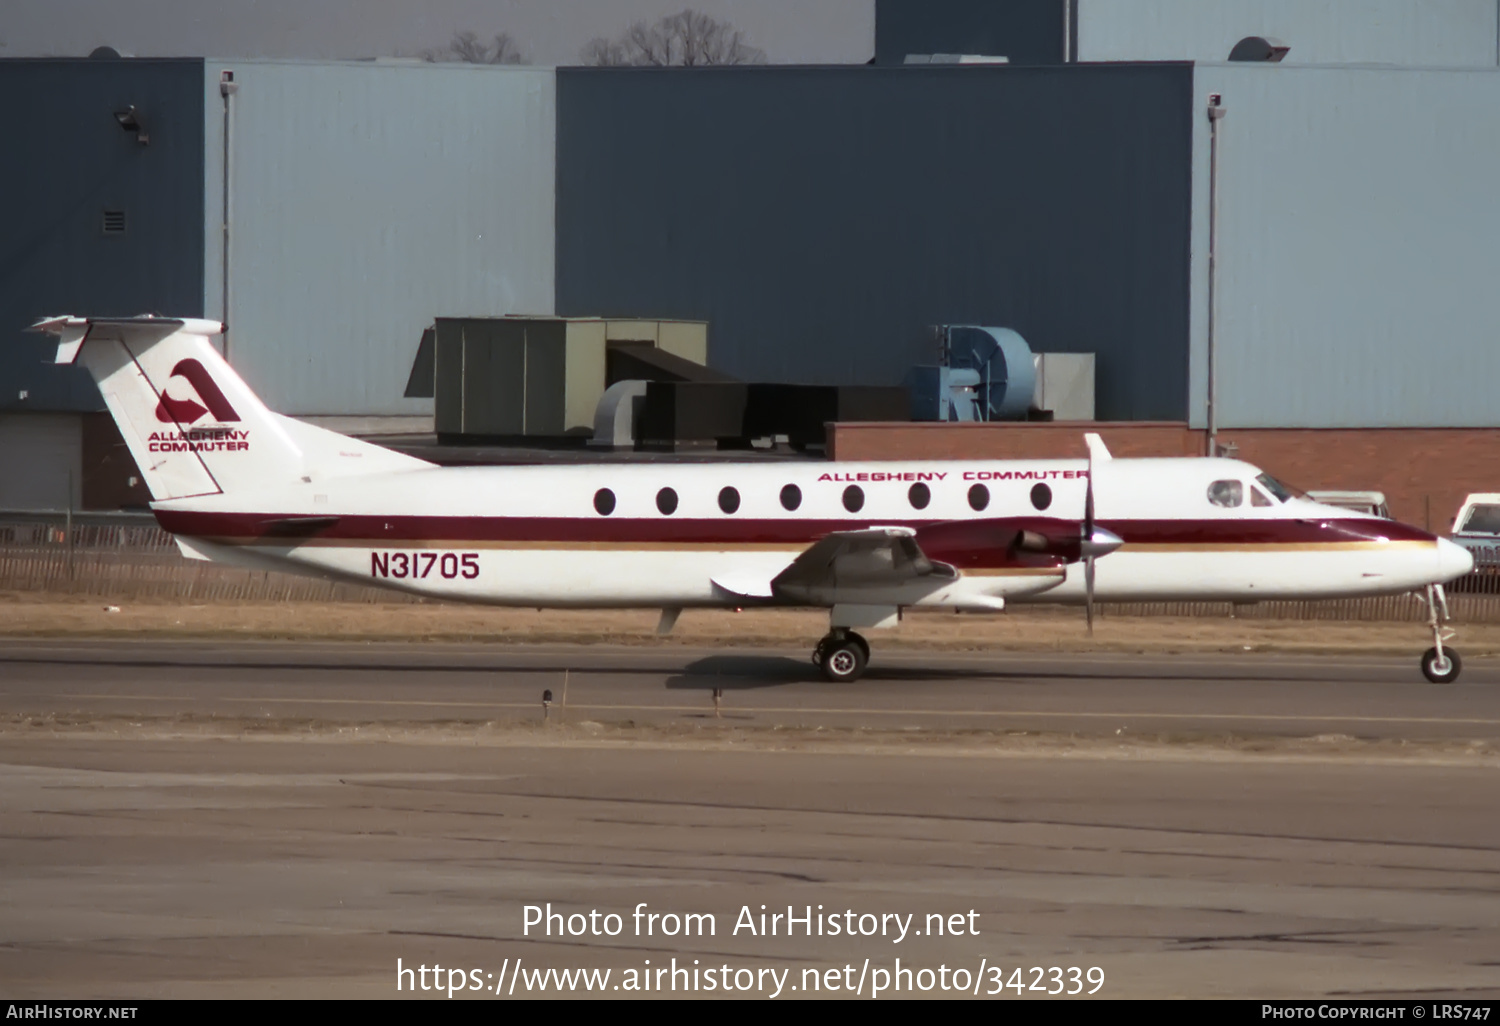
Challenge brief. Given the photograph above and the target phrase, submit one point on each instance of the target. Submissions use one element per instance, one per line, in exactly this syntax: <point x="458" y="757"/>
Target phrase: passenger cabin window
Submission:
<point x="979" y="497"/>
<point x="1258" y="497"/>
<point x="1482" y="519"/>
<point x="854" y="498"/>
<point x="666" y="501"/>
<point x="919" y="495"/>
<point x="791" y="497"/>
<point x="1041" y="496"/>
<point x="729" y="499"/>
<point x="1228" y="494"/>
<point x="604" y="502"/>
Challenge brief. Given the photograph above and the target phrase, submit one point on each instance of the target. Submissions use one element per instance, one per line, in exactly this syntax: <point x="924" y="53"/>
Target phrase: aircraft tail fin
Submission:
<point x="192" y="424"/>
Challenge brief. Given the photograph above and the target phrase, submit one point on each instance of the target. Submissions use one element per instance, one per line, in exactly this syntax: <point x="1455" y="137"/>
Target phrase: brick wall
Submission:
<point x="1006" y="440"/>
<point x="1424" y="472"/>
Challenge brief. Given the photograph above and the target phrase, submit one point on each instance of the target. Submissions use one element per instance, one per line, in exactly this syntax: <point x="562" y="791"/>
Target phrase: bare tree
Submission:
<point x="604" y="53"/>
<point x="468" y="48"/>
<point x="689" y="39"/>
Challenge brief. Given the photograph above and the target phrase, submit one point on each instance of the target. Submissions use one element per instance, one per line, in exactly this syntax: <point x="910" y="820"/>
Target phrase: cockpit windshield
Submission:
<point x="1275" y="487"/>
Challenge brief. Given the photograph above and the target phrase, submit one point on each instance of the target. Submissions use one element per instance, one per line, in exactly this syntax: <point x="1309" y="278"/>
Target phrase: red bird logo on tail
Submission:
<point x="186" y="411"/>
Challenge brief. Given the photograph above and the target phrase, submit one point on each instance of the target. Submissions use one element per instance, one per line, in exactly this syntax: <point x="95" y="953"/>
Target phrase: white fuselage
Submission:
<point x="536" y="536"/>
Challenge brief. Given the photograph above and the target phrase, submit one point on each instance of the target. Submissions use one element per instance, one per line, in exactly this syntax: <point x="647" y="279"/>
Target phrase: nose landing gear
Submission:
<point x="842" y="655"/>
<point x="1439" y="665"/>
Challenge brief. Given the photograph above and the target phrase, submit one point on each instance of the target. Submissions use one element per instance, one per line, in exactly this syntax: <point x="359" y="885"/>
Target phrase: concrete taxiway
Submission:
<point x="269" y="854"/>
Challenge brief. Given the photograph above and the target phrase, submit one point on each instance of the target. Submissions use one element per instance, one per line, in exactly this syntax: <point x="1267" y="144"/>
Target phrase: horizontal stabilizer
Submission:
<point x="190" y="550"/>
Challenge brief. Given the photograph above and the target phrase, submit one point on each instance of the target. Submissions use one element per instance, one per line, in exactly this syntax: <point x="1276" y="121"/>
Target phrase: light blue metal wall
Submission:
<point x="1359" y="247"/>
<point x="1443" y="33"/>
<point x="368" y="198"/>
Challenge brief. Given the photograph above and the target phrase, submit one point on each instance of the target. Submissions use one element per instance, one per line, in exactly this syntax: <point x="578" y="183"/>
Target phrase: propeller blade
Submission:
<point x="1088" y="503"/>
<point x="1088" y="537"/>
<point x="1088" y="593"/>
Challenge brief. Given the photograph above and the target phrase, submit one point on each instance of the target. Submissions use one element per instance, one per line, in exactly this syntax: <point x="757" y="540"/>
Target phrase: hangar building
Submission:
<point x="818" y="218"/>
<point x="360" y="199"/>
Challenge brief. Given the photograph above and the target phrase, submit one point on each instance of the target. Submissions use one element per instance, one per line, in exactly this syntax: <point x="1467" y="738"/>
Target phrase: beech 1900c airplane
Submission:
<point x="237" y="483"/>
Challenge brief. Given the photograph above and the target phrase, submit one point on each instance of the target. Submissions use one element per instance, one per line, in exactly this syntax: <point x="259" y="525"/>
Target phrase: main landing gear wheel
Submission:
<point x="842" y="657"/>
<point x="862" y="643"/>
<point x="1441" y="668"/>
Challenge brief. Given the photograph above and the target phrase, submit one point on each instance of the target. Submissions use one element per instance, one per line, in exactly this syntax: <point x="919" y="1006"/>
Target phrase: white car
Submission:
<point x="1372" y="503"/>
<point x="1477" y="528"/>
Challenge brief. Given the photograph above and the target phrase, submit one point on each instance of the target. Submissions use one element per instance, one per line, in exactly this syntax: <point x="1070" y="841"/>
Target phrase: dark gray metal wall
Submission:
<point x="1026" y="31"/>
<point x="820" y="218"/>
<point x="64" y="162"/>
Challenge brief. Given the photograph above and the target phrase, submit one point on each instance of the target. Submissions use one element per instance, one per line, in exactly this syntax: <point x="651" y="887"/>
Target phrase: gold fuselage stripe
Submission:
<point x="792" y="548"/>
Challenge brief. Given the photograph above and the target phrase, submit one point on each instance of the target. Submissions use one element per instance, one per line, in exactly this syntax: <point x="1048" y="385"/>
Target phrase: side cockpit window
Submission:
<point x="1228" y="494"/>
<point x="1258" y="497"/>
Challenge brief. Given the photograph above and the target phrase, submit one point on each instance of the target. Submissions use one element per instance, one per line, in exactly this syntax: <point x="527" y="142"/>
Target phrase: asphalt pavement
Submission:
<point x="1094" y="695"/>
<point x="260" y="819"/>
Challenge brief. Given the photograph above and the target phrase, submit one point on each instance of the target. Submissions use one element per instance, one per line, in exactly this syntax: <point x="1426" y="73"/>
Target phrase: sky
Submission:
<point x="549" y="31"/>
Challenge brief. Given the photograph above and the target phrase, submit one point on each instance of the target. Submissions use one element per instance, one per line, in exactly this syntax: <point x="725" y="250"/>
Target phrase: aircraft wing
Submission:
<point x="898" y="565"/>
<point x="876" y="558"/>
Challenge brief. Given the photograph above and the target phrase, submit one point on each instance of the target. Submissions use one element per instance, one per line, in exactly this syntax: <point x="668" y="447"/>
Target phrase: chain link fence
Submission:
<point x="128" y="557"/>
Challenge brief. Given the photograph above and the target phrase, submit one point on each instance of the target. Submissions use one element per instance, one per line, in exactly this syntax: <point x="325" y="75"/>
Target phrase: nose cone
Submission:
<point x="1453" y="560"/>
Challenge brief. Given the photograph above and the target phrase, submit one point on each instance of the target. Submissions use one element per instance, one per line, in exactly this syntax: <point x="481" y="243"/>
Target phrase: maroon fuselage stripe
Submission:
<point x="378" y="531"/>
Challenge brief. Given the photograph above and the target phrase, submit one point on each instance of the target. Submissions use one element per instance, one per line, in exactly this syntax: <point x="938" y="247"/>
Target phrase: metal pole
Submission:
<point x="68" y="525"/>
<point x="227" y="89"/>
<point x="1215" y="114"/>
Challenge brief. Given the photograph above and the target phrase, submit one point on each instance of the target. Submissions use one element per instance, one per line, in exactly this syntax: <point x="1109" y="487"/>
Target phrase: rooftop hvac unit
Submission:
<point x="1065" y="385"/>
<point x="515" y="377"/>
<point x="984" y="374"/>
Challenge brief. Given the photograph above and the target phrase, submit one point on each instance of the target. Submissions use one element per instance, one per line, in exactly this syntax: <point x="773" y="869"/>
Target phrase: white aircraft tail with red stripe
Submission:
<point x="193" y="425"/>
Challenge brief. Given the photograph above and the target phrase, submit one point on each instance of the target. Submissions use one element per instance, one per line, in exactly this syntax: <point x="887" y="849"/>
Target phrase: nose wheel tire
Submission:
<point x="1444" y="670"/>
<point x="843" y="659"/>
